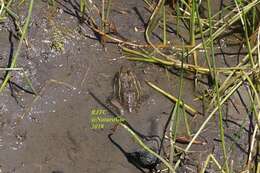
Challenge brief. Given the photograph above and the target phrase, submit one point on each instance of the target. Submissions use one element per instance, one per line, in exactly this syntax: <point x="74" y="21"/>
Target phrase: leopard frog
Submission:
<point x="127" y="91"/>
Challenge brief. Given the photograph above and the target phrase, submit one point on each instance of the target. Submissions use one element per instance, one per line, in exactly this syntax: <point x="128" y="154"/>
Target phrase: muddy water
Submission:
<point x="55" y="133"/>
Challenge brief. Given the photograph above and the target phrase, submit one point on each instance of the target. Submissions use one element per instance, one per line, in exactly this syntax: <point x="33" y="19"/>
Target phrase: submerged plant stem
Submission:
<point x="14" y="59"/>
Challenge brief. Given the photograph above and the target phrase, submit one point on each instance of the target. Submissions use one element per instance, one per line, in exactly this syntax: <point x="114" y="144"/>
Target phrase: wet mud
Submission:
<point x="53" y="131"/>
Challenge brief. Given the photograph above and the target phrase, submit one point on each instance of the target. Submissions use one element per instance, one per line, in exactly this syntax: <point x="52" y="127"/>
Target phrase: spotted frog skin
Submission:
<point x="127" y="91"/>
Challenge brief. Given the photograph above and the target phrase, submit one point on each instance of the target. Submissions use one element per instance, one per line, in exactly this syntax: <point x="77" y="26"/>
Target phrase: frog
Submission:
<point x="127" y="91"/>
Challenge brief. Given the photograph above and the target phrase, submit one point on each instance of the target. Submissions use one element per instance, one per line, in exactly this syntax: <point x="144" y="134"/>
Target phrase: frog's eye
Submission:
<point x="128" y="72"/>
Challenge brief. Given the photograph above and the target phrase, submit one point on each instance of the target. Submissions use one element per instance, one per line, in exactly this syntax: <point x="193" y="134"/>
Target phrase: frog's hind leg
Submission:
<point x="138" y="88"/>
<point x="117" y="86"/>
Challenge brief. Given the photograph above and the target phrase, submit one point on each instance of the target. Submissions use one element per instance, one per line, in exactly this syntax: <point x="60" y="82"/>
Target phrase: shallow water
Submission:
<point x="56" y="135"/>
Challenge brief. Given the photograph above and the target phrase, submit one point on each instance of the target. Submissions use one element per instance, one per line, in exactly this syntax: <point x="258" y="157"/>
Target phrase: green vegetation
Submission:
<point x="191" y="50"/>
<point x="204" y="34"/>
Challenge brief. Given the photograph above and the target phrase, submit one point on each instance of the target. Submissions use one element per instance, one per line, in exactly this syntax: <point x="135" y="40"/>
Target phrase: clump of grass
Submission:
<point x="21" y="40"/>
<point x="203" y="35"/>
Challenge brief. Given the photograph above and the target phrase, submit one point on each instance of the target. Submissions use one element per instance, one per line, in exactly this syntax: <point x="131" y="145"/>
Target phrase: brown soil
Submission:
<point x="55" y="133"/>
